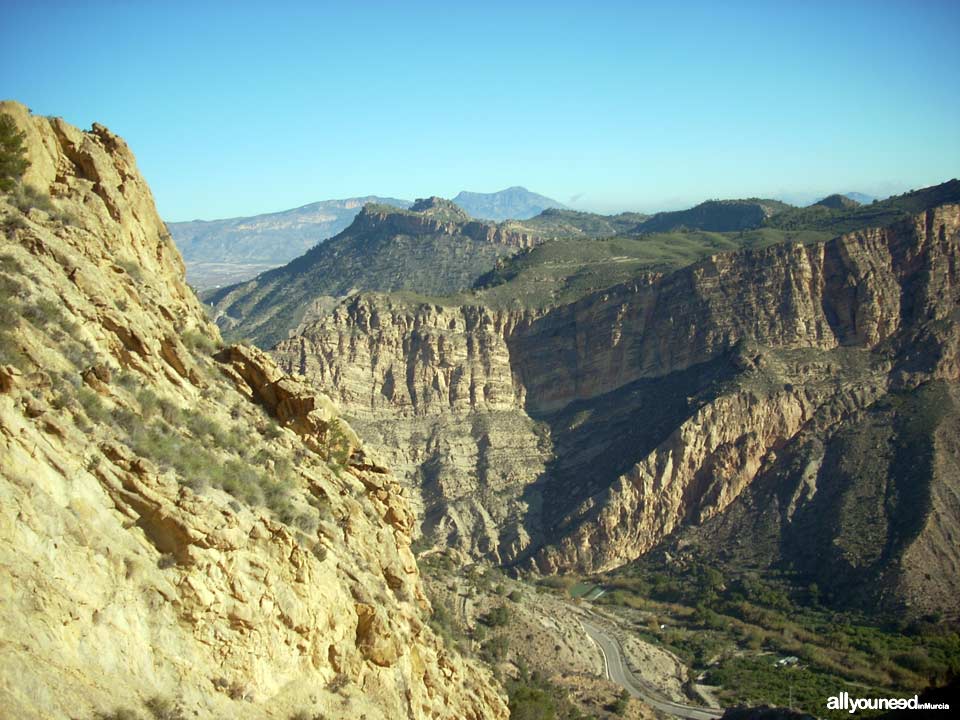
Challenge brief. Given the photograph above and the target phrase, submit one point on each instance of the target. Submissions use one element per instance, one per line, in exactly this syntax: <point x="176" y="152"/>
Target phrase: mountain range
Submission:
<point x="222" y="252"/>
<point x="570" y="340"/>
<point x="473" y="464"/>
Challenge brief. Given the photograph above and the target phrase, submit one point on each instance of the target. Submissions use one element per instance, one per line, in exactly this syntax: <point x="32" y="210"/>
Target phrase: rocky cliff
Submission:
<point x="434" y="389"/>
<point x="648" y="407"/>
<point x="183" y="529"/>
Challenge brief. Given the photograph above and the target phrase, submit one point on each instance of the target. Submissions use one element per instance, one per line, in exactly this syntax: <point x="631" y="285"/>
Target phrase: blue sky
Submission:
<point x="241" y="108"/>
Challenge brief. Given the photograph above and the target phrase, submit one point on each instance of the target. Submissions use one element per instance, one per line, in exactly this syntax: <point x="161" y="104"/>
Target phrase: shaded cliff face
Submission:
<point x="433" y="389"/>
<point x="651" y="406"/>
<point x="177" y="523"/>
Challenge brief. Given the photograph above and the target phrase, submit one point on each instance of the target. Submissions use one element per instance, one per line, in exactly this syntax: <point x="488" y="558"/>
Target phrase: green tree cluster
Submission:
<point x="13" y="154"/>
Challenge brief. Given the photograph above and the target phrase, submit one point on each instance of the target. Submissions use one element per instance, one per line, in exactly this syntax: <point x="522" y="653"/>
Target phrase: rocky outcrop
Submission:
<point x="756" y="348"/>
<point x="204" y="532"/>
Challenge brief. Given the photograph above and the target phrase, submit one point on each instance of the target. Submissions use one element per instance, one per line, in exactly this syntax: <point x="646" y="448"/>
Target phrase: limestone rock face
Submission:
<point x="433" y="389"/>
<point x="204" y="531"/>
<point x="582" y="436"/>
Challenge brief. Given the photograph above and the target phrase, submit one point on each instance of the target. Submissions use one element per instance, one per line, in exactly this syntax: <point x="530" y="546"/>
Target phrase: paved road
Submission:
<point x="617" y="670"/>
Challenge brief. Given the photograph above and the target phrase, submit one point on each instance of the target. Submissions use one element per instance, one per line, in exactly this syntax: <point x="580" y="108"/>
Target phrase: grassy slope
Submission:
<point x="562" y="271"/>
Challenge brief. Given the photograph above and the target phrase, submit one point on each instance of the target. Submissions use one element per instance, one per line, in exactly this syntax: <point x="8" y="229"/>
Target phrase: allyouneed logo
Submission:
<point x="843" y="701"/>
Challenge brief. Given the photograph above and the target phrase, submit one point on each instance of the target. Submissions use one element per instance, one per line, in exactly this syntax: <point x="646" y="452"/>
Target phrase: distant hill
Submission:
<point x="514" y="203"/>
<point x="434" y="248"/>
<point x="847" y="218"/>
<point x="715" y="216"/>
<point x="218" y="249"/>
<point x="837" y="202"/>
<point x="560" y="223"/>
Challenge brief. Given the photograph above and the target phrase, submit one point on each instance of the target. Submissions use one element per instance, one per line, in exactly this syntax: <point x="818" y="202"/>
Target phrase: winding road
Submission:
<point x="617" y="671"/>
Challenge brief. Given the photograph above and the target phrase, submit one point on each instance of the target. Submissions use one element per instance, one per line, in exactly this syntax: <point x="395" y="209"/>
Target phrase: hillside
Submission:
<point x="220" y="252"/>
<point x="433" y="248"/>
<point x="185" y="531"/>
<point x="515" y="203"/>
<point x="555" y="223"/>
<point x="562" y="271"/>
<point x="715" y="216"/>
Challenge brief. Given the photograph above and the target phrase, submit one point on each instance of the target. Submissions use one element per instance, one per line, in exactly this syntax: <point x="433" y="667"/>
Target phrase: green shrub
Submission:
<point x="535" y="698"/>
<point x="498" y="617"/>
<point x="495" y="649"/>
<point x="164" y="709"/>
<point x="201" y="426"/>
<point x="13" y="153"/>
<point x="119" y="714"/>
<point x="619" y="706"/>
<point x="93" y="406"/>
<point x="338" y="445"/>
<point x="27" y="197"/>
<point x="10" y="353"/>
<point x="149" y="403"/>
<point x="12" y="223"/>
<point x="200" y="342"/>
<point x="42" y="312"/>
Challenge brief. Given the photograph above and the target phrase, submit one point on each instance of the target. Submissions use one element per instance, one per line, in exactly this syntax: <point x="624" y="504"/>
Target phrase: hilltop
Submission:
<point x="715" y="216"/>
<point x="554" y="223"/>
<point x="836" y="202"/>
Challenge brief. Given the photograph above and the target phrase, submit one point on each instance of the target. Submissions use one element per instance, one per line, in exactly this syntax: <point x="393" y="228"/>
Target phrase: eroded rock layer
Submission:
<point x="176" y="529"/>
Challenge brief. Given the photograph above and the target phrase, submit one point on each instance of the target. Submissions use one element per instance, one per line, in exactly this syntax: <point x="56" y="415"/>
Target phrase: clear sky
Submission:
<point x="240" y="108"/>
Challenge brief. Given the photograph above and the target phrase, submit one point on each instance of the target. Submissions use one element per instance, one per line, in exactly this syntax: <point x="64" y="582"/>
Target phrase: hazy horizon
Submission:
<point x="237" y="109"/>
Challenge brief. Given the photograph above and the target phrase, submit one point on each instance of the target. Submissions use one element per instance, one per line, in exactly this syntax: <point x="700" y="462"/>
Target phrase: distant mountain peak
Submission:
<point x="512" y="203"/>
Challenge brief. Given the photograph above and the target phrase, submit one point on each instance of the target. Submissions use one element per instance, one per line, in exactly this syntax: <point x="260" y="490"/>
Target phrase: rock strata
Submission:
<point x="177" y="528"/>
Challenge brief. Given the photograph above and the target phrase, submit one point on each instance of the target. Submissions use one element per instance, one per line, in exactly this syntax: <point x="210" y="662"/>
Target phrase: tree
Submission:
<point x="619" y="706"/>
<point x="13" y="154"/>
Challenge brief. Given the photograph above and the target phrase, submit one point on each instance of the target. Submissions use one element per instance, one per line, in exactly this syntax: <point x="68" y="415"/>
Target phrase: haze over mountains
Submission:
<point x="221" y="252"/>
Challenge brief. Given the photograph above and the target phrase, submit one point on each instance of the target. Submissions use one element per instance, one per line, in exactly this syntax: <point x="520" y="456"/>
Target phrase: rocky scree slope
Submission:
<point x="580" y="437"/>
<point x="183" y="528"/>
<point x="434" y="248"/>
